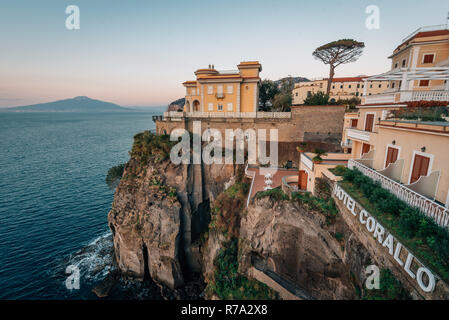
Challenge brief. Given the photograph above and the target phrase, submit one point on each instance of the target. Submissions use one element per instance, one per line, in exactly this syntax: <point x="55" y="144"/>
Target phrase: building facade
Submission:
<point x="341" y="88"/>
<point x="224" y="91"/>
<point x="408" y="156"/>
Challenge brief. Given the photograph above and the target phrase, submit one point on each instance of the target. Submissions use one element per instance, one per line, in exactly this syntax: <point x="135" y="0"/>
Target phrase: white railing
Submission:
<point x="385" y="97"/>
<point x="259" y="115"/>
<point x="427" y="206"/>
<point x="359" y="134"/>
<point x="307" y="161"/>
<point x="431" y="95"/>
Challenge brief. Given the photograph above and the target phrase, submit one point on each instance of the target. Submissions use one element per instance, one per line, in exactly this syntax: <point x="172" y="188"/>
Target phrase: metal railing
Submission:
<point x="427" y="206"/>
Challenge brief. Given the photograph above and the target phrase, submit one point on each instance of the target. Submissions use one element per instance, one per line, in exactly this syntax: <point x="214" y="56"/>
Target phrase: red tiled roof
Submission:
<point x="423" y="35"/>
<point x="349" y="79"/>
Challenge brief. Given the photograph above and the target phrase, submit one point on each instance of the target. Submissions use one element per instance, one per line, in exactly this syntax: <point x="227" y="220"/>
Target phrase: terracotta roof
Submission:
<point x="424" y="35"/>
<point x="349" y="79"/>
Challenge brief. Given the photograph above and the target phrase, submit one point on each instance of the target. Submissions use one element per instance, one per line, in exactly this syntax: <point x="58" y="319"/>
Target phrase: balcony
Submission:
<point x="219" y="114"/>
<point x="219" y="95"/>
<point x="427" y="206"/>
<point x="359" y="134"/>
<point x="408" y="95"/>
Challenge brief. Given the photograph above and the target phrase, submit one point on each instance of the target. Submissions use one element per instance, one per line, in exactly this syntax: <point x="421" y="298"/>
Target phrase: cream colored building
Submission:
<point x="409" y="158"/>
<point x="341" y="88"/>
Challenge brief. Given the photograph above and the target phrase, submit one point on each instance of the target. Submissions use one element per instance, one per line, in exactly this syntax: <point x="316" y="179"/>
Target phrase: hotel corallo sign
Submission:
<point x="387" y="241"/>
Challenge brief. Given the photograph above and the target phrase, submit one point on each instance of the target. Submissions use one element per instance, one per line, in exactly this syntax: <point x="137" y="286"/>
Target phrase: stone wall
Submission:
<point x="307" y="123"/>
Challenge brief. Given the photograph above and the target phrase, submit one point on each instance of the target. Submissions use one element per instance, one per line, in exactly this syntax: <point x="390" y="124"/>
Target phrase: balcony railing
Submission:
<point x="219" y="114"/>
<point x="427" y="206"/>
<point x="359" y="134"/>
<point x="408" y="95"/>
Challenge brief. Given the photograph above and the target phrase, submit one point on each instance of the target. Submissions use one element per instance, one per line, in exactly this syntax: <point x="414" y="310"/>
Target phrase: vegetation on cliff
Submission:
<point x="390" y="288"/>
<point x="429" y="241"/>
<point x="114" y="175"/>
<point x="149" y="146"/>
<point x="227" y="283"/>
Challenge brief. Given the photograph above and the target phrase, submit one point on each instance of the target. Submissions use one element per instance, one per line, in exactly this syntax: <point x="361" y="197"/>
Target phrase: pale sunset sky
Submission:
<point x="138" y="52"/>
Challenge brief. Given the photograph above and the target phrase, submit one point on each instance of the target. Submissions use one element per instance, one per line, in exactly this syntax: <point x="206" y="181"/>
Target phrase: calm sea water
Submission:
<point x="54" y="200"/>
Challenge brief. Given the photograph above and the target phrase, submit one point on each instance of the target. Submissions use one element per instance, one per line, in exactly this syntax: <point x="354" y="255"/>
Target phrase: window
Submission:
<point x="396" y="65"/>
<point x="392" y="84"/>
<point x="230" y="106"/>
<point x="193" y="91"/>
<point x="380" y="85"/>
<point x="333" y="87"/>
<point x="230" y="89"/>
<point x="428" y="58"/>
<point x="296" y="94"/>
<point x="423" y="83"/>
<point x="354" y="123"/>
<point x="358" y="86"/>
<point x="403" y="63"/>
<point x="220" y="88"/>
<point x="210" y="106"/>
<point x="420" y="167"/>
<point x="349" y="86"/>
<point x="220" y="107"/>
<point x="341" y="87"/>
<point x="371" y="86"/>
<point x="210" y="89"/>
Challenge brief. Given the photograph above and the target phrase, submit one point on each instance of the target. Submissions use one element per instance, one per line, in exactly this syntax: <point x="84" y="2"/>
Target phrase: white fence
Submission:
<point x="427" y="206"/>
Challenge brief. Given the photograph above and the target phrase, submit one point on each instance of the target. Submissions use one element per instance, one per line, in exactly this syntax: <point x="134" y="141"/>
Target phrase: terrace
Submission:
<point x="173" y="115"/>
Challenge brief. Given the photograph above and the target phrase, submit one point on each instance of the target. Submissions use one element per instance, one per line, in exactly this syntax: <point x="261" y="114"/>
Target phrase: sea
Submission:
<point x="54" y="200"/>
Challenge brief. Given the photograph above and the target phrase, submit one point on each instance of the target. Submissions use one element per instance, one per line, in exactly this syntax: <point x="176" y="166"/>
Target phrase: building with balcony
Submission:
<point x="341" y="88"/>
<point x="234" y="91"/>
<point x="392" y="141"/>
<point x="419" y="69"/>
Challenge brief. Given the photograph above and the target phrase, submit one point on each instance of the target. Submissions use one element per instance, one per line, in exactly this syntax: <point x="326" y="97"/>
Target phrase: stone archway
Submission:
<point x="187" y="108"/>
<point x="196" y="106"/>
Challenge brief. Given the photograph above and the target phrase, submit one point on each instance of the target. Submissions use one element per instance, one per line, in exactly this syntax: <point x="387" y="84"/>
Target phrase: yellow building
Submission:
<point x="224" y="91"/>
<point x="341" y="88"/>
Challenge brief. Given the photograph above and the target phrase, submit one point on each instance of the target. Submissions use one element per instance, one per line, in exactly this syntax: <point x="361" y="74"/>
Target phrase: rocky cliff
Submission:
<point x="172" y="223"/>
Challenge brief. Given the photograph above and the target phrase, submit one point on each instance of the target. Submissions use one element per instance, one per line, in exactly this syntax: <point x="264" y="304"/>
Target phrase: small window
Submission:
<point x="230" y="89"/>
<point x="333" y="87"/>
<point x="341" y="87"/>
<point x="210" y="106"/>
<point x="395" y="65"/>
<point x="356" y="94"/>
<point x="349" y="86"/>
<point x="358" y="86"/>
<point x="423" y="83"/>
<point x="210" y="89"/>
<point x="380" y="85"/>
<point x="428" y="58"/>
<point x="371" y="86"/>
<point x="220" y="107"/>
<point x="220" y="88"/>
<point x="230" y="106"/>
<point x="392" y="84"/>
<point x="403" y="63"/>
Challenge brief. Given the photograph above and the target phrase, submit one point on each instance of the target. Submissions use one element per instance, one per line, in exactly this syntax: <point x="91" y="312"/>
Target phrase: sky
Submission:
<point x="138" y="52"/>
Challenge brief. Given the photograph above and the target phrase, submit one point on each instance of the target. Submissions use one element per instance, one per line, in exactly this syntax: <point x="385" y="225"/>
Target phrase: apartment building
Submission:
<point x="341" y="88"/>
<point x="407" y="155"/>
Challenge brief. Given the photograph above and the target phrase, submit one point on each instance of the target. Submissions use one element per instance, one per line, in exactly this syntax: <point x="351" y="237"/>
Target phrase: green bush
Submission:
<point x="325" y="206"/>
<point x="338" y="170"/>
<point x="418" y="231"/>
<point x="275" y="194"/>
<point x="114" y="175"/>
<point x="390" y="288"/>
<point x="228" y="284"/>
<point x="151" y="146"/>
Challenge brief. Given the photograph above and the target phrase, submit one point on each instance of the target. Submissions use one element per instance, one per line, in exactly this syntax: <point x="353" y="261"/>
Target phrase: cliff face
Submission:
<point x="158" y="214"/>
<point x="294" y="242"/>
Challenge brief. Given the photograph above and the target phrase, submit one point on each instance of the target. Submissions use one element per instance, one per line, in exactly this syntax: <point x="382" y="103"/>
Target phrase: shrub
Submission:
<point x="338" y="170"/>
<point x="151" y="146"/>
<point x="229" y="285"/>
<point x="275" y="194"/>
<point x="114" y="175"/>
